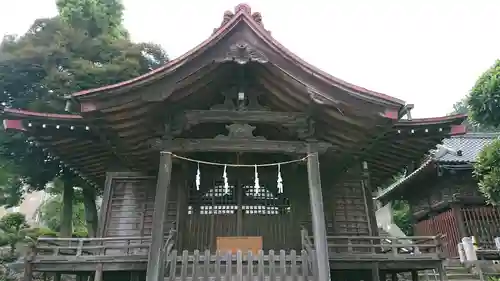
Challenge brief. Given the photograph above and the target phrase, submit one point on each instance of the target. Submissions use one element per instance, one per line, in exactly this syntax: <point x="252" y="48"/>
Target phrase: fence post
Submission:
<point x="497" y="242"/>
<point x="461" y="252"/>
<point x="470" y="252"/>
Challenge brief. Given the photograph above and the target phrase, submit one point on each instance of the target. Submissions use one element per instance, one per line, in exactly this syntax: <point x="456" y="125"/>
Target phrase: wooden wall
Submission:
<point x="450" y="204"/>
<point x="442" y="223"/>
<point x="130" y="206"/>
<point x="348" y="205"/>
<point x="435" y="190"/>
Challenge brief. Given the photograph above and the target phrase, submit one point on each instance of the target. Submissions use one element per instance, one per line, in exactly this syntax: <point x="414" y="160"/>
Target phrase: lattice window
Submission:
<point x="262" y="203"/>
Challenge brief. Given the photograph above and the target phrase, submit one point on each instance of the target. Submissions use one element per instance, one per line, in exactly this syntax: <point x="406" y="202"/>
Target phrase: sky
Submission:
<point x="426" y="52"/>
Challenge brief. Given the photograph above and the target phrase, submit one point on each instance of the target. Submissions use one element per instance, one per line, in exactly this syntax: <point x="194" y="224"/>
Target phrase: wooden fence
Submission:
<point x="379" y="248"/>
<point x="240" y="266"/>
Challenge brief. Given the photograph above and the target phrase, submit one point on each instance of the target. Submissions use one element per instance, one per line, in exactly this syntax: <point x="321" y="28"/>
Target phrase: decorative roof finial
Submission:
<point x="245" y="8"/>
<point x="241" y="8"/>
<point x="228" y="15"/>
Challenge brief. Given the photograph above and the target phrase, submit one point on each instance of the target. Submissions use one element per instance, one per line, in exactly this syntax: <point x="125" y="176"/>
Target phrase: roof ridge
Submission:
<point x="477" y="135"/>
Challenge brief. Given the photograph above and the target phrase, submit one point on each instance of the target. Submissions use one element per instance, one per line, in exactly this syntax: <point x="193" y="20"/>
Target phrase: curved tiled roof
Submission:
<point x="242" y="13"/>
<point x="470" y="145"/>
<point x="467" y="148"/>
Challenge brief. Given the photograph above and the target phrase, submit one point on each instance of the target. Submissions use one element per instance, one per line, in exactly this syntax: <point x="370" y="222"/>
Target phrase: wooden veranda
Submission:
<point x="94" y="256"/>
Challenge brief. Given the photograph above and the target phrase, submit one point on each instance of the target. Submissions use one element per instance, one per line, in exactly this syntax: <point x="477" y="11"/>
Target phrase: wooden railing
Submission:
<point x="239" y="265"/>
<point x="376" y="247"/>
<point x="68" y="248"/>
<point x="307" y="245"/>
<point x="166" y="250"/>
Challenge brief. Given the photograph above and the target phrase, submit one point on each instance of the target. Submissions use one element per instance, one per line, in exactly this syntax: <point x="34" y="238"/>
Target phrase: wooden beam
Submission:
<point x="194" y="117"/>
<point x="155" y="262"/>
<point x="235" y="145"/>
<point x="318" y="214"/>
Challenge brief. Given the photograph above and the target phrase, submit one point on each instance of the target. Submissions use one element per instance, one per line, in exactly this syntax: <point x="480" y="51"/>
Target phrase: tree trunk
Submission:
<point x="90" y="211"/>
<point x="12" y="249"/>
<point x="67" y="210"/>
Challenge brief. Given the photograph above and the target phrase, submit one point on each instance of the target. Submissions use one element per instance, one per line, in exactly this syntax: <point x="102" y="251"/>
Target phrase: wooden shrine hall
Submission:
<point x="236" y="160"/>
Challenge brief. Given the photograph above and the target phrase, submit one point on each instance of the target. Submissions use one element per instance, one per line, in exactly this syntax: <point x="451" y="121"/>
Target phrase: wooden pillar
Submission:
<point x="414" y="275"/>
<point x="369" y="204"/>
<point x="155" y="263"/>
<point x="376" y="276"/>
<point x="318" y="215"/>
<point x="459" y="217"/>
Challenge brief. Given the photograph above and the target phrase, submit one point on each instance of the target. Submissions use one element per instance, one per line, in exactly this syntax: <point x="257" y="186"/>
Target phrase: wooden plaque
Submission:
<point x="239" y="243"/>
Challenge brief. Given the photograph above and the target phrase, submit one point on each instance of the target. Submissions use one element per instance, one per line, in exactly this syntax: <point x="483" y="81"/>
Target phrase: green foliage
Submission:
<point x="487" y="170"/>
<point x="401" y="216"/>
<point x="13" y="228"/>
<point x="462" y="107"/>
<point x="484" y="98"/>
<point x="50" y="214"/>
<point x="85" y="46"/>
<point x="34" y="233"/>
<point x="95" y="16"/>
<point x="10" y="187"/>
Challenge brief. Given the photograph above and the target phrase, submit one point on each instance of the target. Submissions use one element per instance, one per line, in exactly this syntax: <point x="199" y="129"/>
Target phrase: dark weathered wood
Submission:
<point x="295" y="121"/>
<point x="104" y="205"/>
<point x="414" y="275"/>
<point x="376" y="273"/>
<point x="235" y="145"/>
<point x="173" y="265"/>
<point x="28" y="268"/>
<point x="317" y="212"/>
<point x="368" y="198"/>
<point x="459" y="217"/>
<point x="163" y="187"/>
<point x="67" y="210"/>
<point x="184" y="266"/>
<point x="194" y="117"/>
<point x="196" y="263"/>
<point x="442" y="272"/>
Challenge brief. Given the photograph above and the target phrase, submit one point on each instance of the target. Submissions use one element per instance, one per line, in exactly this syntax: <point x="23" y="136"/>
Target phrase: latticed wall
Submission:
<point x="239" y="211"/>
<point x="482" y="222"/>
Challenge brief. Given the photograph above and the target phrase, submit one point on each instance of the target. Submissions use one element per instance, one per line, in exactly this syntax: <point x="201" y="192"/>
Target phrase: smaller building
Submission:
<point x="443" y="194"/>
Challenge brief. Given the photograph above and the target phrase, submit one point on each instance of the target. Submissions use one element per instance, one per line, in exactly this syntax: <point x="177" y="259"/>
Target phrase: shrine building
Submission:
<point x="236" y="160"/>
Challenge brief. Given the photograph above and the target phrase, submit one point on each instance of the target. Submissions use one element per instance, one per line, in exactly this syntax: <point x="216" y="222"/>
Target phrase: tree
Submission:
<point x="13" y="228"/>
<point x="401" y="216"/>
<point x="462" y="107"/>
<point x="96" y="17"/>
<point x="484" y="105"/>
<point x="487" y="170"/>
<point x="484" y="98"/>
<point x="49" y="214"/>
<point x="84" y="47"/>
